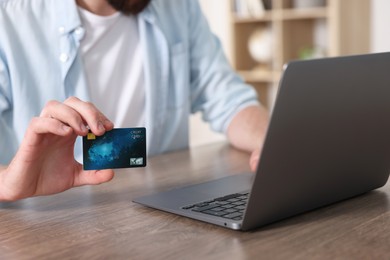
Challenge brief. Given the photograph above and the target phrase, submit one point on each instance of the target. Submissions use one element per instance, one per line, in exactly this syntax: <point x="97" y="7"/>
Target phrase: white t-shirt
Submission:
<point x="112" y="59"/>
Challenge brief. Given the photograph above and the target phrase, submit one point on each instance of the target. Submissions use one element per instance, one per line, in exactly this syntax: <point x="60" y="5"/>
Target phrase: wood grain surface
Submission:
<point x="101" y="222"/>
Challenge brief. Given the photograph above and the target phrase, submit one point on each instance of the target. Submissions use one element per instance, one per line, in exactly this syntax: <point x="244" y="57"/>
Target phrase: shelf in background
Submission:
<point x="285" y="14"/>
<point x="303" y="13"/>
<point x="266" y="17"/>
<point x="339" y="27"/>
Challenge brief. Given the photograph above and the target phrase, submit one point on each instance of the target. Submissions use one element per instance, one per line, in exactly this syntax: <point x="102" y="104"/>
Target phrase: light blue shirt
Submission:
<point x="185" y="69"/>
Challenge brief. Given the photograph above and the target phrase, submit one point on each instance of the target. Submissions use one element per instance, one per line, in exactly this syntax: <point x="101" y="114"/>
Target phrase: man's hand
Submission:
<point x="44" y="163"/>
<point x="254" y="160"/>
<point x="247" y="131"/>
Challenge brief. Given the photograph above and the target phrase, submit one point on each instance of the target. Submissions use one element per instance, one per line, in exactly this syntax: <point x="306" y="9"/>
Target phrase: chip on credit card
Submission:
<point x="118" y="148"/>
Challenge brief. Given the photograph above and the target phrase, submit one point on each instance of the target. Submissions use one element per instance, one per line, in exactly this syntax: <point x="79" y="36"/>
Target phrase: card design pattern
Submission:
<point x="118" y="148"/>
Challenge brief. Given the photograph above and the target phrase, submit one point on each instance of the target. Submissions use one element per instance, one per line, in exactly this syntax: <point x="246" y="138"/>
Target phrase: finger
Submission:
<point x="254" y="160"/>
<point x="44" y="125"/>
<point x="66" y="115"/>
<point x="93" y="177"/>
<point x="97" y="122"/>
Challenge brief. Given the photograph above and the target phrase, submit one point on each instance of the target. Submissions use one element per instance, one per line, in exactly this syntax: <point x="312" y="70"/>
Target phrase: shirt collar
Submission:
<point x="67" y="15"/>
<point x="148" y="13"/>
<point x="69" y="18"/>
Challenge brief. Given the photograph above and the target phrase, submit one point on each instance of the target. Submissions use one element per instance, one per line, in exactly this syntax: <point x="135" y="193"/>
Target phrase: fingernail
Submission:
<point x="108" y="122"/>
<point x="83" y="128"/>
<point x="65" y="128"/>
<point x="101" y="126"/>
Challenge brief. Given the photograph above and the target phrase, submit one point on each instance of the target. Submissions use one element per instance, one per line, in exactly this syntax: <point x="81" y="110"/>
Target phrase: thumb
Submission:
<point x="93" y="177"/>
<point x="254" y="160"/>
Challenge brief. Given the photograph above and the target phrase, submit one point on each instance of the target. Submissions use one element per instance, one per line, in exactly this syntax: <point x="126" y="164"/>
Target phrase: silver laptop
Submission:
<point x="328" y="140"/>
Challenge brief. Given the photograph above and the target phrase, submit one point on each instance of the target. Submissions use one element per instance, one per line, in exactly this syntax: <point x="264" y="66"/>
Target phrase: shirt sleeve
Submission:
<point x="6" y="130"/>
<point x="216" y="90"/>
<point x="4" y="86"/>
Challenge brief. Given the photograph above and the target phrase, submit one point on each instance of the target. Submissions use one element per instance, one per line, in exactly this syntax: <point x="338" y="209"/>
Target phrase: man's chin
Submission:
<point x="129" y="6"/>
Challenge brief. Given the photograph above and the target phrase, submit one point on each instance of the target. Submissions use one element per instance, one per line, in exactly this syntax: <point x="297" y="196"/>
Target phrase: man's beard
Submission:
<point x="129" y="6"/>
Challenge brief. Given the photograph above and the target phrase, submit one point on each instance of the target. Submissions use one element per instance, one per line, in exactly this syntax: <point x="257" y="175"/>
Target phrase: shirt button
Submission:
<point x="79" y="30"/>
<point x="61" y="29"/>
<point x="64" y="57"/>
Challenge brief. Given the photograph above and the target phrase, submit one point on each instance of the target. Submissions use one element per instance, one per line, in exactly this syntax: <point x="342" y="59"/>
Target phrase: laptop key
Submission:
<point x="233" y="215"/>
<point x="202" y="204"/>
<point x="228" y="197"/>
<point x="227" y="206"/>
<point x="231" y="210"/>
<point x="198" y="209"/>
<point x="214" y="213"/>
<point x="222" y="202"/>
<point x="218" y="209"/>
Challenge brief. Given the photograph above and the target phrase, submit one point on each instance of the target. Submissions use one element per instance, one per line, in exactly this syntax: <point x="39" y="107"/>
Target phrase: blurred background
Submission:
<point x="260" y="36"/>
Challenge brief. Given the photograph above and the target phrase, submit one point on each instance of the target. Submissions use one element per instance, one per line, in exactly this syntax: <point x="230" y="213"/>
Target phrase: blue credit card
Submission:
<point x="118" y="148"/>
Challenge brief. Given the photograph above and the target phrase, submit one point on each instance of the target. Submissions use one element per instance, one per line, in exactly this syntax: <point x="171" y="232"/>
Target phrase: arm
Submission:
<point x="226" y="102"/>
<point x="247" y="130"/>
<point x="216" y="90"/>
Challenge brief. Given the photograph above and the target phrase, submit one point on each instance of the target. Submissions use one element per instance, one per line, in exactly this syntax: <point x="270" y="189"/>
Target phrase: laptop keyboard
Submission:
<point x="230" y="206"/>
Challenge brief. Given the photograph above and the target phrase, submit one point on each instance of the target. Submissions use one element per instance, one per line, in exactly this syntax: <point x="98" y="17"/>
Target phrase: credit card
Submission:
<point x="118" y="148"/>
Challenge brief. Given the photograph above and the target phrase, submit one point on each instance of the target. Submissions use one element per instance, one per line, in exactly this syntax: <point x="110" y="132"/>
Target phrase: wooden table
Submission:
<point x="101" y="222"/>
